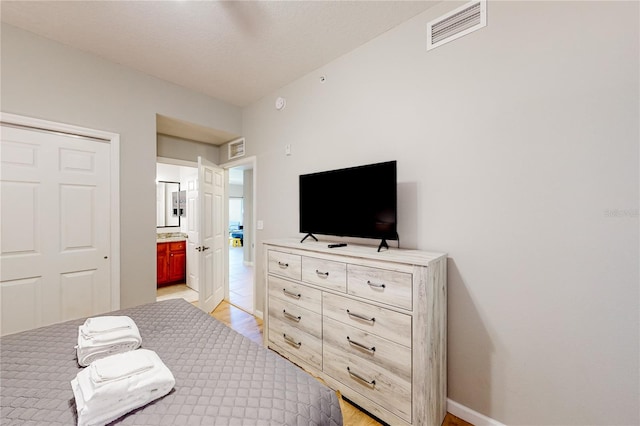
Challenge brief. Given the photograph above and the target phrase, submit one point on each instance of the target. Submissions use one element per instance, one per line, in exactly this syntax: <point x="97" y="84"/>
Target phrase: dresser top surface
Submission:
<point x="414" y="257"/>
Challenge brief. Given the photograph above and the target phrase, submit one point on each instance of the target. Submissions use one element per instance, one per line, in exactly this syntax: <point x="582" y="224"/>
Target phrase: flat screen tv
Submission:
<point x="353" y="202"/>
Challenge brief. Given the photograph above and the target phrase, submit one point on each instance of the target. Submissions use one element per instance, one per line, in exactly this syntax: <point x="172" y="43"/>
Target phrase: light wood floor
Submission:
<point x="242" y="322"/>
<point x="251" y="327"/>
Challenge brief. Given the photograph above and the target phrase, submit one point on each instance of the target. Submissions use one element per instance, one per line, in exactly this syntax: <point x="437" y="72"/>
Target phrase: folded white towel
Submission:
<point x="106" y="324"/>
<point x="103" y="336"/>
<point x="111" y="368"/>
<point x="113" y="386"/>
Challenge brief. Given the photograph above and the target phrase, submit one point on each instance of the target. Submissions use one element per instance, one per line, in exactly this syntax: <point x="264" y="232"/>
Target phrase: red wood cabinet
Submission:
<point x="171" y="262"/>
<point x="177" y="261"/>
<point x="162" y="263"/>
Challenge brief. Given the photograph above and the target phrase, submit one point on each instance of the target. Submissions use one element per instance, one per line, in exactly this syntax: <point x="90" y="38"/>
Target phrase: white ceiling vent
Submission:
<point x="461" y="21"/>
<point x="236" y="148"/>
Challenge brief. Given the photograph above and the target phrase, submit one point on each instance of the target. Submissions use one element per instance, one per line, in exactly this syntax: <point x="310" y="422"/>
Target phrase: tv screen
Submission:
<point x="353" y="202"/>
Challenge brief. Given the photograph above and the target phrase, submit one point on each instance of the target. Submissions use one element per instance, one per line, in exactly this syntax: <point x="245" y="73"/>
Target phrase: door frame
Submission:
<point x="113" y="139"/>
<point x="252" y="161"/>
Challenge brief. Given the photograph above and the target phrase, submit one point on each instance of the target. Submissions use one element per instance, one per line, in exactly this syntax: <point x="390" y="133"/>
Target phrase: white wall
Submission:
<point x="48" y="80"/>
<point x="247" y="235"/>
<point x="181" y="174"/>
<point x="517" y="150"/>
<point x="166" y="173"/>
<point x="185" y="149"/>
<point x="236" y="190"/>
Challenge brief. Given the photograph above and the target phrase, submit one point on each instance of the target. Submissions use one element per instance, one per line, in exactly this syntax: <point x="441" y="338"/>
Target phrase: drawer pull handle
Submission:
<point x="290" y="294"/>
<point x="376" y="285"/>
<point x="361" y="317"/>
<point x="322" y="274"/>
<point x="290" y="340"/>
<point x="359" y="377"/>
<point x="291" y="317"/>
<point x="283" y="265"/>
<point x="361" y="346"/>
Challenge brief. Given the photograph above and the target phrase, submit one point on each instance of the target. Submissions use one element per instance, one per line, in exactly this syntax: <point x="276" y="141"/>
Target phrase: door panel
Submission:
<point x="54" y="261"/>
<point x="21" y="301"/>
<point x="76" y="218"/>
<point x="78" y="294"/>
<point x="23" y="199"/>
<point x="219" y="234"/>
<point x="162" y="268"/>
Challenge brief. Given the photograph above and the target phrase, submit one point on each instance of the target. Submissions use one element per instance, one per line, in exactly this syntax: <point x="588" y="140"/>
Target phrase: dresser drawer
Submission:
<point x="325" y="273"/>
<point x="296" y="294"/>
<point x="370" y="380"/>
<point x="284" y="264"/>
<point x="382" y="322"/>
<point x="384" y="286"/>
<point x="394" y="358"/>
<point x="291" y="340"/>
<point x="295" y="316"/>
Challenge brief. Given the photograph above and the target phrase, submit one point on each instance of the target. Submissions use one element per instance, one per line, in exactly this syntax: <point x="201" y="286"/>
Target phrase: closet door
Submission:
<point x="55" y="213"/>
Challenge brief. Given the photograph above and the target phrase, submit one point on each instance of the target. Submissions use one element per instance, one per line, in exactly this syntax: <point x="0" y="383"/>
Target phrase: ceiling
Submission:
<point x="235" y="51"/>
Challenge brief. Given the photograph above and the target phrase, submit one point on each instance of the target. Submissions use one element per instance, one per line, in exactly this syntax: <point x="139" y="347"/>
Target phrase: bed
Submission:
<point x="222" y="378"/>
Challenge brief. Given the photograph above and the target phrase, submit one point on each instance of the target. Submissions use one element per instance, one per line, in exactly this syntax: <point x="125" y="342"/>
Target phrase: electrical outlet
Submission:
<point x="260" y="224"/>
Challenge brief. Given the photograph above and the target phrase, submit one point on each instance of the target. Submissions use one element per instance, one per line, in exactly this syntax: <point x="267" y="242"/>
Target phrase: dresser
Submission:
<point x="371" y="324"/>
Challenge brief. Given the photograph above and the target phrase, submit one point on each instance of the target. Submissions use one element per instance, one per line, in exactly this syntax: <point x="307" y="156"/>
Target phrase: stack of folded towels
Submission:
<point x="118" y="378"/>
<point x="102" y="336"/>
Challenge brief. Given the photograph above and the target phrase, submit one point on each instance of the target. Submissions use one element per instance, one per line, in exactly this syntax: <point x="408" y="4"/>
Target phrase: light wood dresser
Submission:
<point x="371" y="325"/>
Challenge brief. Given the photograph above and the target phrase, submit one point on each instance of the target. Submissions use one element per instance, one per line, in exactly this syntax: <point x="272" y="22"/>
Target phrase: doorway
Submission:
<point x="177" y="234"/>
<point x="240" y="215"/>
<point x="239" y="196"/>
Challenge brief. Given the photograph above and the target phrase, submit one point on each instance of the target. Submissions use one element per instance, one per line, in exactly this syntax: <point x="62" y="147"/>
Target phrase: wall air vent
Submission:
<point x="461" y="21"/>
<point x="236" y="148"/>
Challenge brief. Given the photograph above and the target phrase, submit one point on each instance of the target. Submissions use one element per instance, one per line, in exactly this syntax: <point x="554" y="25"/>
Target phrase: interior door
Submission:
<point x="212" y="232"/>
<point x="54" y="245"/>
<point x="193" y="240"/>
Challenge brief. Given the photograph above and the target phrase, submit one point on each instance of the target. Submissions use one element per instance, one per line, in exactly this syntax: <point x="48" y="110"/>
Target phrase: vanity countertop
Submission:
<point x="170" y="239"/>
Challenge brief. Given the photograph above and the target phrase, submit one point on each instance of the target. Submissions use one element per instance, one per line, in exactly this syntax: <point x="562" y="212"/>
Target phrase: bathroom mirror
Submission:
<point x="168" y="205"/>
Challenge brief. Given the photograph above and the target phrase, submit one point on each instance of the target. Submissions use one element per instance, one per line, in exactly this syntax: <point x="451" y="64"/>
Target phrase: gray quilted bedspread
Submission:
<point x="222" y="378"/>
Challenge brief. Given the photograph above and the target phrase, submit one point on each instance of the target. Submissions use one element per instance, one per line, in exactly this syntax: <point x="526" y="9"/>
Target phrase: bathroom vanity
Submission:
<point x="171" y="261"/>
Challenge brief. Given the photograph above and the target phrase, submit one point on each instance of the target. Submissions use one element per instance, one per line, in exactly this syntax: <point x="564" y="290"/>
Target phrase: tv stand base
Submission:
<point x="312" y="236"/>
<point x="384" y="244"/>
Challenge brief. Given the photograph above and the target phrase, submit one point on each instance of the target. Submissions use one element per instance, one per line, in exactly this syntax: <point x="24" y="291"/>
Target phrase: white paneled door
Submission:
<point x="212" y="234"/>
<point x="55" y="214"/>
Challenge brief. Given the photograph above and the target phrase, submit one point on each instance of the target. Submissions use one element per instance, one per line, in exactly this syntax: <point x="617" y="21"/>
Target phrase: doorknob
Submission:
<point x="205" y="248"/>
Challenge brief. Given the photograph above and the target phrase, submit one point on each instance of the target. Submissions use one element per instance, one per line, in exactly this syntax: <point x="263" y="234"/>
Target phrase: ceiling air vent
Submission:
<point x="236" y="148"/>
<point x="461" y="21"/>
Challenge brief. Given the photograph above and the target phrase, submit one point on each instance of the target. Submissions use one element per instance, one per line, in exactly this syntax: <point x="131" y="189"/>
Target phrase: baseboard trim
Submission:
<point x="258" y="314"/>
<point x="469" y="415"/>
